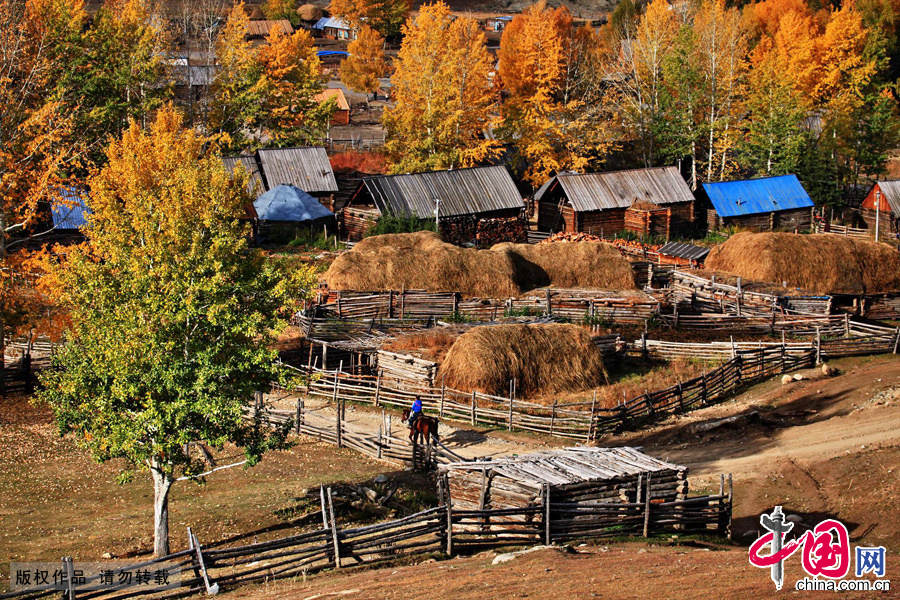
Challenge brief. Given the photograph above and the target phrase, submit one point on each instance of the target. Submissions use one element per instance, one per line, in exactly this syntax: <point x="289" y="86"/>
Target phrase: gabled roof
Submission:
<point x="619" y="189"/>
<point x="307" y="168"/>
<point x="754" y="196"/>
<point x="891" y="191"/>
<point x="683" y="250"/>
<point x="263" y="28"/>
<point x="332" y="22"/>
<point x="289" y="203"/>
<point x="337" y="94"/>
<point x="570" y="465"/>
<point x="255" y="185"/>
<point x="461" y="192"/>
<point x="68" y="209"/>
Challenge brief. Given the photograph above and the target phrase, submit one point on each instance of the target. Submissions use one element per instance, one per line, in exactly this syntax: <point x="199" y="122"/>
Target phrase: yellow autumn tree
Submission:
<point x="384" y="16"/>
<point x="443" y="95"/>
<point x="546" y="66"/>
<point x="366" y="65"/>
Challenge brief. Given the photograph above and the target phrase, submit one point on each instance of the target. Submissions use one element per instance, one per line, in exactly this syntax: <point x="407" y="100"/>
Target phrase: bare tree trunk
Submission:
<point x="162" y="483"/>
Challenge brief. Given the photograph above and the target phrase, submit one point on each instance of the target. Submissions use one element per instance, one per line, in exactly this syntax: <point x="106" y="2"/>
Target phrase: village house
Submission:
<point x="881" y="208"/>
<point x="333" y="28"/>
<point x="471" y="195"/>
<point x="765" y="204"/>
<point x="341" y="114"/>
<point x="654" y="202"/>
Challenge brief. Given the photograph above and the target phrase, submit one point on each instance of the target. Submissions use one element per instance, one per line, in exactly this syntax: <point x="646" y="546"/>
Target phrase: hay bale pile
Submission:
<point x="422" y="261"/>
<point x="824" y="264"/>
<point x="541" y="358"/>
<point x="594" y="265"/>
<point x="310" y="12"/>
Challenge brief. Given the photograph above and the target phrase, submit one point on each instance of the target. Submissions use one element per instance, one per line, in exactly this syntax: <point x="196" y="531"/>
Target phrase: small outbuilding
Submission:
<point x="765" y="204"/>
<point x="579" y="474"/>
<point x="655" y="202"/>
<point x="464" y="200"/>
<point x="882" y="206"/>
<point x="341" y="114"/>
<point x="333" y="28"/>
<point x="260" y="29"/>
<point x="286" y="210"/>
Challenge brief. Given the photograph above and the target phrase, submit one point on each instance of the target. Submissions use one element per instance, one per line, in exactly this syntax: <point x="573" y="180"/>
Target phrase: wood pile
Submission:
<point x="406" y="370"/>
<point x="459" y="230"/>
<point x="648" y="221"/>
<point x="354" y="223"/>
<point x="500" y="230"/>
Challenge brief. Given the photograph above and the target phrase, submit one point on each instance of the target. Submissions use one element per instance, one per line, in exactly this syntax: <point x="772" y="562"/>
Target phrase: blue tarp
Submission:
<point x="289" y="203"/>
<point x="754" y="196"/>
<point x="324" y="53"/>
<point x="68" y="209"/>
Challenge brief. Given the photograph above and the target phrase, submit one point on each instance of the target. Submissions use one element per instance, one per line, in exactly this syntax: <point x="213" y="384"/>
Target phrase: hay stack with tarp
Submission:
<point x="552" y="357"/>
<point x="824" y="264"/>
<point x="579" y="474"/>
<point x="594" y="265"/>
<point x="421" y="261"/>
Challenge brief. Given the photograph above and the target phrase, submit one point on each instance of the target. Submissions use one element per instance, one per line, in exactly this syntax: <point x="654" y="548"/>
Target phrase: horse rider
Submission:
<point x="415" y="412"/>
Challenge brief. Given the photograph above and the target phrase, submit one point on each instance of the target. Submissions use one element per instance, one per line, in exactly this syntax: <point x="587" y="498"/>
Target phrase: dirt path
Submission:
<point x="820" y="446"/>
<point x="467" y="442"/>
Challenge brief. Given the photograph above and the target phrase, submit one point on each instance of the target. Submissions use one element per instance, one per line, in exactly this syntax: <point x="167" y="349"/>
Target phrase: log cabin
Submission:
<point x="882" y="206"/>
<point x="650" y="202"/>
<point x="766" y="204"/>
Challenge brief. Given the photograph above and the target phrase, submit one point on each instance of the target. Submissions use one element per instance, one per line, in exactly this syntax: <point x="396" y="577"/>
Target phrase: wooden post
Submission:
<point x="443" y="390"/>
<point x="547" y="514"/>
<point x="680" y="397"/>
<point x="378" y="455"/>
<point x="553" y="415"/>
<point x="473" y="407"/>
<point x="324" y="507"/>
<point x="324" y="356"/>
<point x="334" y="533"/>
<point x="846" y="325"/>
<point x="647" y="509"/>
<point x="644" y="346"/>
<point x="337" y="411"/>
<point x="70" y="575"/>
<point x="818" y="345"/>
<point x="738" y="296"/>
<point x="510" y="415"/>
<point x="730" y="503"/>
<point x="896" y="340"/>
<point x="211" y="589"/>
<point x="783" y="353"/>
<point x="549" y="303"/>
<point x="403" y="302"/>
<point x="703" y="398"/>
<point x="449" y="524"/>
<point x="638" y="492"/>
<point x="590" y="432"/>
<point x="299" y="416"/>
<point x="391" y="304"/>
<point x="378" y="387"/>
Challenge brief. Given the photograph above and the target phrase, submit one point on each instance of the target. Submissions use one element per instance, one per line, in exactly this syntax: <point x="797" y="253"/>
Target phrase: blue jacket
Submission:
<point x="417" y="406"/>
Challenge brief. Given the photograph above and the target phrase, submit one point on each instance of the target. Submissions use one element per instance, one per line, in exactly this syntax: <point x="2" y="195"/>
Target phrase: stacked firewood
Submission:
<point x="566" y="236"/>
<point x="458" y="230"/>
<point x="496" y="231"/>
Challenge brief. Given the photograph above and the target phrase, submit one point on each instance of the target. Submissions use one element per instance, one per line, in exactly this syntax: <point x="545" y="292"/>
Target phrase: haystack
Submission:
<point x="310" y="12"/>
<point x="541" y="358"/>
<point x="824" y="264"/>
<point x="594" y="265"/>
<point x="422" y="261"/>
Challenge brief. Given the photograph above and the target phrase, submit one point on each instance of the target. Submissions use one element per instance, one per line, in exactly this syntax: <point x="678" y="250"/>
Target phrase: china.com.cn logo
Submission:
<point x="825" y="553"/>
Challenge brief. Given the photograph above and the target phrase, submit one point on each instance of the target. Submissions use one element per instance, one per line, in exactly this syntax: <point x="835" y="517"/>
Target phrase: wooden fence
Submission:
<point x="694" y="293"/>
<point x="442" y="529"/>
<point x="835" y="229"/>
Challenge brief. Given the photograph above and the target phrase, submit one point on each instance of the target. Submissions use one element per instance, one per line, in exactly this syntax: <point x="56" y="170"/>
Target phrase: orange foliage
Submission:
<point x="374" y="163"/>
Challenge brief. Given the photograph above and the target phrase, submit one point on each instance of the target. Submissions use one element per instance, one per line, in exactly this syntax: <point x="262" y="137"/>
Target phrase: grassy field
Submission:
<point x="55" y="501"/>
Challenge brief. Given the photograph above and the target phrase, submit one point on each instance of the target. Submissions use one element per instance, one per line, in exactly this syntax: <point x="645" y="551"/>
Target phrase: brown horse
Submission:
<point x="423" y="428"/>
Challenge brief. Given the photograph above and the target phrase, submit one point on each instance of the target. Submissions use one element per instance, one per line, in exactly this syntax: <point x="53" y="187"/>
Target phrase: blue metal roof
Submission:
<point x="324" y="53"/>
<point x="289" y="203"/>
<point x="754" y="196"/>
<point x="68" y="209"/>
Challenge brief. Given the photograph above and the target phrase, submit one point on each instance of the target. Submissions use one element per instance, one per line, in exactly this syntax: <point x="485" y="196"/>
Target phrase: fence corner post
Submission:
<point x="647" y="509"/>
<point x="547" y="538"/>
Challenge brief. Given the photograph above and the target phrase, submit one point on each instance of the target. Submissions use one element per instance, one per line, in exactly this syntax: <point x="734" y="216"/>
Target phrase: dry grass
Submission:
<point x="422" y="261"/>
<point x="595" y="265"/>
<point x="541" y="358"/>
<point x="429" y="345"/>
<point x="824" y="264"/>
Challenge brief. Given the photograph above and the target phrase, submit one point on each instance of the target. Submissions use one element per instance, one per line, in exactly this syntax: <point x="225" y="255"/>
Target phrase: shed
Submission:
<point x="882" y="205"/>
<point x="578" y="474"/>
<point x="764" y="204"/>
<point x="286" y="209"/>
<point x="255" y="185"/>
<point x="341" y="114"/>
<point x="307" y="168"/>
<point x="659" y="201"/>
<point x="465" y="195"/>
<point x="683" y="254"/>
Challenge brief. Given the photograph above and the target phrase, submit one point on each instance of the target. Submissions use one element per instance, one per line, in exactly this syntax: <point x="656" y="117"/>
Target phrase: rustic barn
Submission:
<point x="286" y="210"/>
<point x="881" y="206"/>
<point x="463" y="195"/>
<point x="307" y="168"/>
<point x="766" y="204"/>
<point x="578" y="474"/>
<point x="647" y="201"/>
<point x="341" y="114"/>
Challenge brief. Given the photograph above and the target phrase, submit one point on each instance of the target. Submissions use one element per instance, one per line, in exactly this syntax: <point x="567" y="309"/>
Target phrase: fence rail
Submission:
<point x="442" y="529"/>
